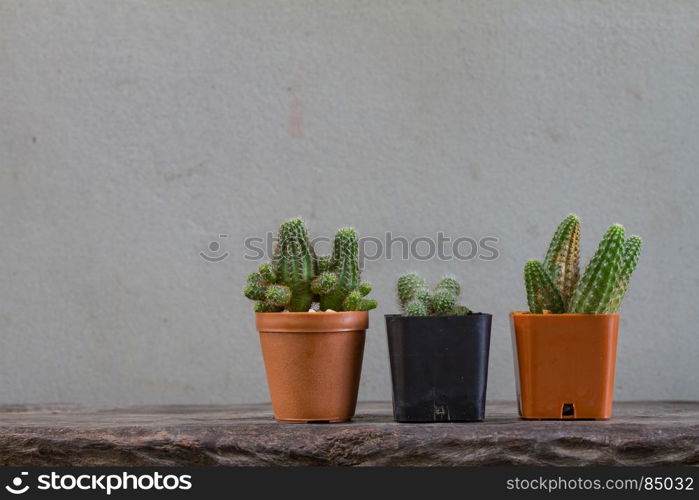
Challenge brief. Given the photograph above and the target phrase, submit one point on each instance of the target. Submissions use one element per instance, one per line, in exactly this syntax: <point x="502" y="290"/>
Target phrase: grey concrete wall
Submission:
<point x="132" y="133"/>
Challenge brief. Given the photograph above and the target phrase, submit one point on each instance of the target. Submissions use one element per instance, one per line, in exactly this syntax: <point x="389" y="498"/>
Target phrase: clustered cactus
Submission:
<point x="297" y="280"/>
<point x="556" y="286"/>
<point x="416" y="298"/>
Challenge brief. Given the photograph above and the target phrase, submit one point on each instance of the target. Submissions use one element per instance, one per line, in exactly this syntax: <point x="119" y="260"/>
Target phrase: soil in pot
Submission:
<point x="439" y="367"/>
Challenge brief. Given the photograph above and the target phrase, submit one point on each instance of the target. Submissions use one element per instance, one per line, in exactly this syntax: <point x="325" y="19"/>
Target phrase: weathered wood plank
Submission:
<point x="654" y="433"/>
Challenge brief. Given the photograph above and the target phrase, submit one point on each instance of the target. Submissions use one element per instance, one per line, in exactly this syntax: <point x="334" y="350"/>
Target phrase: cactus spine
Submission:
<point x="416" y="299"/>
<point x="563" y="256"/>
<point x="296" y="279"/>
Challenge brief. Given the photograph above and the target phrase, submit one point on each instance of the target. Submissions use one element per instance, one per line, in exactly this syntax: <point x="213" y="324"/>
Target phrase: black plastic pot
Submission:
<point x="439" y="367"/>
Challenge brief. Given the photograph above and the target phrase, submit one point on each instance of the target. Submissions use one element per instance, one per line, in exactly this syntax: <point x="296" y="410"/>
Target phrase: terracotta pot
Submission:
<point x="564" y="364"/>
<point x="313" y="363"/>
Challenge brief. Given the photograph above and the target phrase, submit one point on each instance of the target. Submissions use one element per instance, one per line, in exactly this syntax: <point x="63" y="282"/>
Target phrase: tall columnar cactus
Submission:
<point x="632" y="251"/>
<point x="555" y="286"/>
<point x="542" y="293"/>
<point x="416" y="299"/>
<point x="563" y="257"/>
<point x="294" y="264"/>
<point x="340" y="287"/>
<point x="595" y="289"/>
<point x="291" y="281"/>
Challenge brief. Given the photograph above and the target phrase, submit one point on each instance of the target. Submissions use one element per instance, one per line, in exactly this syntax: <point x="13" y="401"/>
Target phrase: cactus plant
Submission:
<point x="594" y="290"/>
<point x="450" y="284"/>
<point x="408" y="287"/>
<point x="632" y="251"/>
<point x="555" y="286"/>
<point x="296" y="280"/>
<point x="416" y="299"/>
<point x="294" y="264"/>
<point x="344" y="290"/>
<point x="443" y="302"/>
<point x="416" y="308"/>
<point x="563" y="257"/>
<point x="542" y="293"/>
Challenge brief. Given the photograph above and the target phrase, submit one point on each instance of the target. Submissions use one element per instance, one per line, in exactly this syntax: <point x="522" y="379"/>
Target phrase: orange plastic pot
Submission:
<point x="564" y="364"/>
<point x="313" y="362"/>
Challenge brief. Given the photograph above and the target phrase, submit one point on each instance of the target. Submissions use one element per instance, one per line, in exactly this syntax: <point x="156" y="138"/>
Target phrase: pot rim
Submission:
<point x="305" y="322"/>
<point x="561" y="315"/>
<point x="301" y="314"/>
<point x="436" y="317"/>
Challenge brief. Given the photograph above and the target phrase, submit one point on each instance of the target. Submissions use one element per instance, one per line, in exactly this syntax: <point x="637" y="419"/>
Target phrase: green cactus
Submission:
<point x="256" y="287"/>
<point x="267" y="272"/>
<point x="408" y="286"/>
<point x="596" y="287"/>
<point x="416" y="308"/>
<point x="265" y="307"/>
<point x="632" y="251"/>
<point x="460" y="311"/>
<point x="556" y="286"/>
<point x="324" y="283"/>
<point x="353" y="301"/>
<point x="449" y="284"/>
<point x="442" y="302"/>
<point x="367" y="305"/>
<point x="364" y="288"/>
<point x="563" y="256"/>
<point x="324" y="263"/>
<point x="416" y="299"/>
<point x="424" y="295"/>
<point x="296" y="278"/>
<point x="542" y="294"/>
<point x="294" y="263"/>
<point x="344" y="290"/>
<point x="345" y="266"/>
<point x="278" y="295"/>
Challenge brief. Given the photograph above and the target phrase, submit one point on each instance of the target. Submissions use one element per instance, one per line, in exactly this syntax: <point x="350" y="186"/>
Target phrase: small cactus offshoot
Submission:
<point x="417" y="299"/>
<point x="296" y="280"/>
<point x="542" y="293"/>
<point x="555" y="286"/>
<point x="408" y="287"/>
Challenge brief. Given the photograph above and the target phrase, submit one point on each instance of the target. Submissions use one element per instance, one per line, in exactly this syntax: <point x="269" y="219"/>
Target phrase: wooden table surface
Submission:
<point x="652" y="433"/>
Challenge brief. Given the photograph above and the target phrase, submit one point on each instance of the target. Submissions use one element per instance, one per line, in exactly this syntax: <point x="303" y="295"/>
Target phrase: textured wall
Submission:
<point x="132" y="133"/>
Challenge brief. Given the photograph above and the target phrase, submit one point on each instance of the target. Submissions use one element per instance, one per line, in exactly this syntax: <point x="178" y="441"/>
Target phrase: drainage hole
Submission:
<point x="568" y="410"/>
